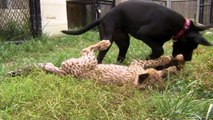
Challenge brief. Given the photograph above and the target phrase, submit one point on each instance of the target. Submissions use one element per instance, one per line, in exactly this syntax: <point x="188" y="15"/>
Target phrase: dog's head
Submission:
<point x="188" y="42"/>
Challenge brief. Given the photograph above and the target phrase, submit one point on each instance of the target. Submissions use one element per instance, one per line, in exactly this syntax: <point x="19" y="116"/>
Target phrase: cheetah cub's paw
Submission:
<point x="103" y="45"/>
<point x="180" y="59"/>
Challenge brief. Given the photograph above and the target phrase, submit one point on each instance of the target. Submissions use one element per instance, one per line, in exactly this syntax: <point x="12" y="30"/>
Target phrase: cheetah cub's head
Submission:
<point x="152" y="77"/>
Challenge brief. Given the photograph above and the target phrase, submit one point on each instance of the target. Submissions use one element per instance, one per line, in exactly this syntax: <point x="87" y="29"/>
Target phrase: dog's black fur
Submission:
<point x="152" y="23"/>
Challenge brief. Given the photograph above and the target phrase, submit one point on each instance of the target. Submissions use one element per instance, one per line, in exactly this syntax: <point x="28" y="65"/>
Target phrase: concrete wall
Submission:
<point x="119" y="1"/>
<point x="54" y="16"/>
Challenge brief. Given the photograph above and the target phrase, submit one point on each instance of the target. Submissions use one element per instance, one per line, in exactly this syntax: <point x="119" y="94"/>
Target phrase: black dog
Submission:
<point x="152" y="23"/>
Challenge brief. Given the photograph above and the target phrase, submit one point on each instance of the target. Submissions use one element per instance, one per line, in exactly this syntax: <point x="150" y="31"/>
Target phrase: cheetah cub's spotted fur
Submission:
<point x="138" y="72"/>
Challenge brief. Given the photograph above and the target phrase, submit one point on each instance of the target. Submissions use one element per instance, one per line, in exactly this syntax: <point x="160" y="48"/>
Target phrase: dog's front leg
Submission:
<point x="149" y="36"/>
<point x="157" y="48"/>
<point x="156" y="52"/>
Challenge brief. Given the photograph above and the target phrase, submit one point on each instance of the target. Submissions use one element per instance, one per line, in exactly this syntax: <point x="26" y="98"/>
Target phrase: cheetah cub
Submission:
<point x="139" y="72"/>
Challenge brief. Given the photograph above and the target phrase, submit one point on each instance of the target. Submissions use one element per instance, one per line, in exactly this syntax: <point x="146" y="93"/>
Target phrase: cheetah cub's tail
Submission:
<point x="102" y="45"/>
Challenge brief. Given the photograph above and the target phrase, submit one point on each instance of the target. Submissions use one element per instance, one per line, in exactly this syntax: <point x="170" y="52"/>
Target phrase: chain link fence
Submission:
<point x="16" y="20"/>
<point x="21" y="19"/>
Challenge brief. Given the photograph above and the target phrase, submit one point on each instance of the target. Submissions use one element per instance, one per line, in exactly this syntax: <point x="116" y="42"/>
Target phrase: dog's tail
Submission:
<point x="83" y="30"/>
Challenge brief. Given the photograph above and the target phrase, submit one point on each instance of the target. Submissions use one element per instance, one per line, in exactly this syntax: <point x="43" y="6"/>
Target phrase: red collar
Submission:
<point x="182" y="31"/>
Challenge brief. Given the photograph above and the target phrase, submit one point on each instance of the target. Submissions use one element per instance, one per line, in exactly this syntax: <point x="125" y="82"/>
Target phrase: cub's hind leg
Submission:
<point x="49" y="67"/>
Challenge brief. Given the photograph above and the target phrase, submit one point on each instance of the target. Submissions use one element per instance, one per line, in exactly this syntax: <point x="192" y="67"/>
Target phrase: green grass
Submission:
<point x="38" y="95"/>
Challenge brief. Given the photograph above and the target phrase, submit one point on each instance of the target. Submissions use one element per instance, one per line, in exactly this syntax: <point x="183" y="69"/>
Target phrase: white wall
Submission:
<point x="54" y="16"/>
<point x="119" y="1"/>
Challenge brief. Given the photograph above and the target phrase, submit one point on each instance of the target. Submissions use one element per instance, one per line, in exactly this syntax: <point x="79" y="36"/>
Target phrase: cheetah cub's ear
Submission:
<point x="142" y="78"/>
<point x="149" y="79"/>
<point x="154" y="78"/>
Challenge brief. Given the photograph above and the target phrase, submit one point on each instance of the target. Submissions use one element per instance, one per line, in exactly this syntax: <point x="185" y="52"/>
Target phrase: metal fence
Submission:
<point x="21" y="19"/>
<point x="201" y="11"/>
<point x="82" y="12"/>
<point x="205" y="11"/>
<point x="18" y="19"/>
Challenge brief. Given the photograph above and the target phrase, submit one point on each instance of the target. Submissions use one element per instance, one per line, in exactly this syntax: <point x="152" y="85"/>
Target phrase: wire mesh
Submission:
<point x="15" y="19"/>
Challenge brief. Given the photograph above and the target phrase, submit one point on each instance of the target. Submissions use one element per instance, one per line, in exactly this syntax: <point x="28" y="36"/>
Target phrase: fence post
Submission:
<point x="198" y="11"/>
<point x="211" y="12"/>
<point x="35" y="17"/>
<point x="38" y="17"/>
<point x="169" y="3"/>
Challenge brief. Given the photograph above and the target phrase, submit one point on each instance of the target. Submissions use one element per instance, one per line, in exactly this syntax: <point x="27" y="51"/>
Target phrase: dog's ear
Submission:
<point x="142" y="77"/>
<point x="203" y="27"/>
<point x="199" y="27"/>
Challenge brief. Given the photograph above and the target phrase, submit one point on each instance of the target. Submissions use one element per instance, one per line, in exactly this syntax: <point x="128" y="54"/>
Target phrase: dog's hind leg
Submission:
<point x="106" y="33"/>
<point x="49" y="67"/>
<point x="102" y="54"/>
<point x="122" y="41"/>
